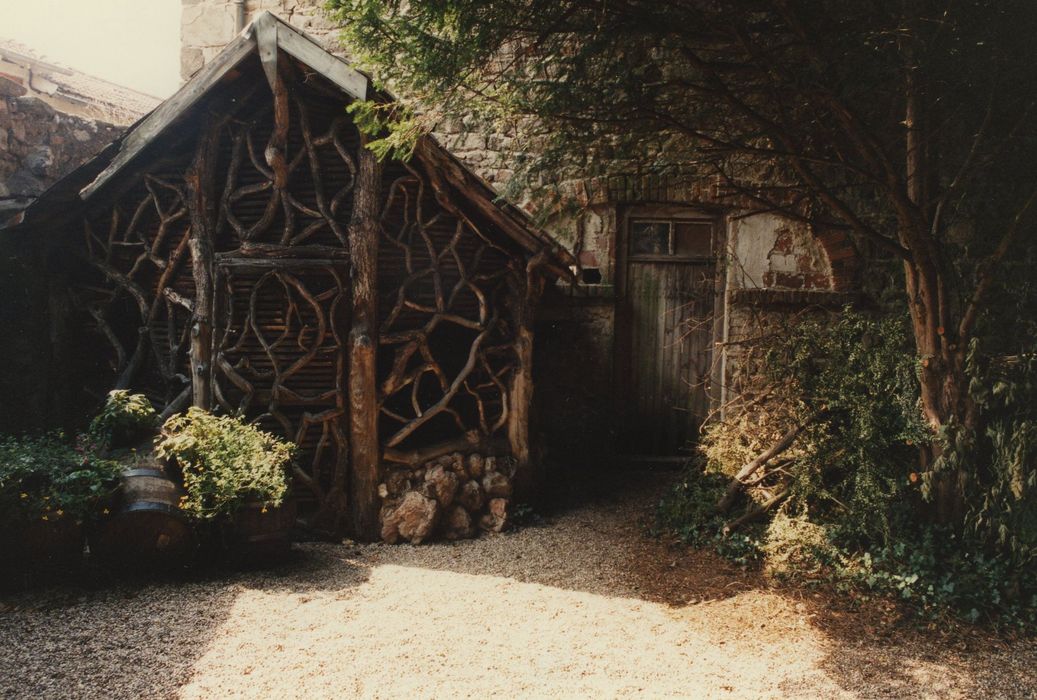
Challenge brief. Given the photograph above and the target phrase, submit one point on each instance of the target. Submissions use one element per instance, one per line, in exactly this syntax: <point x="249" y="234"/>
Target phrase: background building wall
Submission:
<point x="206" y="26"/>
<point x="38" y="144"/>
<point x="771" y="264"/>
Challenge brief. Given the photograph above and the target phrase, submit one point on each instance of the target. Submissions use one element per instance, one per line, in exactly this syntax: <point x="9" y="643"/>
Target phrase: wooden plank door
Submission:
<point x="666" y="324"/>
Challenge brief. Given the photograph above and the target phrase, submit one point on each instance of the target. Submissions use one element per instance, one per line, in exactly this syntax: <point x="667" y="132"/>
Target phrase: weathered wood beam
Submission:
<point x="331" y="67"/>
<point x="470" y="442"/>
<point x="525" y="288"/>
<point x="144" y="132"/>
<point x="202" y="204"/>
<point x="276" y="149"/>
<point x="363" y="344"/>
<point x="446" y="172"/>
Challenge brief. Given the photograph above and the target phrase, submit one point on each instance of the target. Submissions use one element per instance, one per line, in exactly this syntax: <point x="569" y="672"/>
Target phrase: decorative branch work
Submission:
<point x="280" y="359"/>
<point x="140" y="247"/>
<point x="274" y="196"/>
<point x="269" y="268"/>
<point x="447" y="354"/>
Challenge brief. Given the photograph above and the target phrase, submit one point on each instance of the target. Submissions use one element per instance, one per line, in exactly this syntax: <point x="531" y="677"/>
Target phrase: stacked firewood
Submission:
<point x="454" y="497"/>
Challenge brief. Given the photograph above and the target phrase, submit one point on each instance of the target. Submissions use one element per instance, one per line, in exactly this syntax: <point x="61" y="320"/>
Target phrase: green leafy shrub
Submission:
<point x="795" y="546"/>
<point x="852" y="466"/>
<point x="45" y="478"/>
<point x="689" y="511"/>
<point x="225" y="462"/>
<point x="1001" y="459"/>
<point x="124" y="419"/>
<point x="854" y="508"/>
<point x="937" y="571"/>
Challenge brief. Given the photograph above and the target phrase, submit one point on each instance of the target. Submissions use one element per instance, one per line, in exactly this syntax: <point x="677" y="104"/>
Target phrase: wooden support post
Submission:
<point x="201" y="203"/>
<point x="363" y="346"/>
<point x="529" y="475"/>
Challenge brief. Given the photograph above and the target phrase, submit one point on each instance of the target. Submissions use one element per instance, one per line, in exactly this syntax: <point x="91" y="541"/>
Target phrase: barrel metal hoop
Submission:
<point x="154" y="507"/>
<point x="145" y="471"/>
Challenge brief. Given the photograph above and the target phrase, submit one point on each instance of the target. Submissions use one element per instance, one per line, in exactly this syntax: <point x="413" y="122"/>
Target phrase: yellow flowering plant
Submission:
<point x="45" y="478"/>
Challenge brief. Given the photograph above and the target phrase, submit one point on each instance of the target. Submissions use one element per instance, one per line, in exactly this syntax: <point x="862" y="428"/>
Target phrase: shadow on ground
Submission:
<point x="582" y="603"/>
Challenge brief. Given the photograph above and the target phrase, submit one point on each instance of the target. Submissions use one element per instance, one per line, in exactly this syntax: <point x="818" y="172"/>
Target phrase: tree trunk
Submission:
<point x="201" y="205"/>
<point x="365" y="456"/>
<point x="945" y="400"/>
<point x="942" y="381"/>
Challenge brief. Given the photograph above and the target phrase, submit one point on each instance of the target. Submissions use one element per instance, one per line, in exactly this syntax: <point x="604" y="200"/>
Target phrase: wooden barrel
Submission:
<point x="261" y="534"/>
<point x="146" y="529"/>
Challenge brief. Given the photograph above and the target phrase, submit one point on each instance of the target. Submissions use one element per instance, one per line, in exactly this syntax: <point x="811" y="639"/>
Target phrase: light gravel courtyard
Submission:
<point x="580" y="605"/>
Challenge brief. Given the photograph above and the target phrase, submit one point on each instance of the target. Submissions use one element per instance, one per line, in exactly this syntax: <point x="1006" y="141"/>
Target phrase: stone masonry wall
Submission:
<point x="206" y="26"/>
<point x="38" y="144"/>
<point x="453" y="497"/>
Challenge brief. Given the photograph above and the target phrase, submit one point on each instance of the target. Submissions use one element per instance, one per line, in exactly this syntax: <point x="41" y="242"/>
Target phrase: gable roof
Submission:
<point x="85" y="94"/>
<point x="266" y="36"/>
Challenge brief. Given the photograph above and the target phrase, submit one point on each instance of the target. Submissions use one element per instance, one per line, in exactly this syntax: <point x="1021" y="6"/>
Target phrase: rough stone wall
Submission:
<point x="206" y="26"/>
<point x="38" y="145"/>
<point x="453" y="497"/>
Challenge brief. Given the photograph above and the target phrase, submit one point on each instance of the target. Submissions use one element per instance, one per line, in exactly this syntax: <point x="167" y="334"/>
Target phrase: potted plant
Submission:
<point x="125" y="420"/>
<point x="143" y="527"/>
<point x="236" y="477"/>
<point x="48" y="489"/>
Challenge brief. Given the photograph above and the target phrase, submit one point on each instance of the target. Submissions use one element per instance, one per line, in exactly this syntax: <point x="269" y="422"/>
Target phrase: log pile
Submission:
<point x="452" y="497"/>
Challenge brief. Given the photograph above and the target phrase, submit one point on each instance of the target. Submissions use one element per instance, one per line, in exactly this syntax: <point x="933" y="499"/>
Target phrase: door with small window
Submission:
<point x="665" y="333"/>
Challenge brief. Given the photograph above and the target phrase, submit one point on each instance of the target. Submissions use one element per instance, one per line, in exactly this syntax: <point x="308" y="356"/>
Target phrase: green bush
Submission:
<point x="1001" y="459"/>
<point x="795" y="546"/>
<point x="689" y="511"/>
<point x="124" y="419"/>
<point x="854" y="464"/>
<point x="937" y="571"/>
<point x="45" y="478"/>
<point x="225" y="462"/>
<point x="855" y="508"/>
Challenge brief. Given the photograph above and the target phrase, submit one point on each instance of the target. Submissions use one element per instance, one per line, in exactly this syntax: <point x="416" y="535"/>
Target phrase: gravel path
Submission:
<point x="580" y="606"/>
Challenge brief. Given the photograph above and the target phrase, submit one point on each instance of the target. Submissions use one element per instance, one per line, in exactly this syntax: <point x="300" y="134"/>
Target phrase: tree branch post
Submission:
<point x="201" y="204"/>
<point x="528" y="476"/>
<point x="363" y="345"/>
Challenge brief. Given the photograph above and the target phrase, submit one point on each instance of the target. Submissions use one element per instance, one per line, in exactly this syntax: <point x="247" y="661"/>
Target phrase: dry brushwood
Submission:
<point x="738" y="483"/>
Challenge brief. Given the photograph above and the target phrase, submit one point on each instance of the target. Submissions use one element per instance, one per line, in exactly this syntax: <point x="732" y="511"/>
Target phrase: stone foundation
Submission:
<point x="452" y="497"/>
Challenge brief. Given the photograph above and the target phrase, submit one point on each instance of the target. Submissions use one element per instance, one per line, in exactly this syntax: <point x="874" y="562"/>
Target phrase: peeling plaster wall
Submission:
<point x="771" y="252"/>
